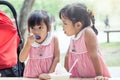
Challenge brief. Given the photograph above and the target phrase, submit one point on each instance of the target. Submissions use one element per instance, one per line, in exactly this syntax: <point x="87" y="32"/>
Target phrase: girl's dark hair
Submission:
<point x="37" y="17"/>
<point x="78" y="12"/>
<point x="93" y="21"/>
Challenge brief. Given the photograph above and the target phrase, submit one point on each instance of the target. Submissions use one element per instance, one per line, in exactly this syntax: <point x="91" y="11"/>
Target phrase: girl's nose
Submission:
<point x="36" y="31"/>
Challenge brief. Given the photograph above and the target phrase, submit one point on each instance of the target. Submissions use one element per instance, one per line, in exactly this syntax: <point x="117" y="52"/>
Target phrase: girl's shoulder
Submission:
<point x="88" y="32"/>
<point x="90" y="35"/>
<point x="85" y="31"/>
<point x="55" y="39"/>
<point x="55" y="36"/>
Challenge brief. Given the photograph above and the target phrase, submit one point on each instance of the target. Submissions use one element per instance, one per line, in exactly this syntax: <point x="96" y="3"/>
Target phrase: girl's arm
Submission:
<point x="56" y="55"/>
<point x="24" y="52"/>
<point x="66" y="61"/>
<point x="91" y="43"/>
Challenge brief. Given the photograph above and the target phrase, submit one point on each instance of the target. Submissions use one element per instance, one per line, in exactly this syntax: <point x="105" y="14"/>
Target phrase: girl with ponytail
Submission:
<point x="83" y="58"/>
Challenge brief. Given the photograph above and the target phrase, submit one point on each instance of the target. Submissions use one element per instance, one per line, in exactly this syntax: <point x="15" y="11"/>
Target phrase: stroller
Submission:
<point x="11" y="43"/>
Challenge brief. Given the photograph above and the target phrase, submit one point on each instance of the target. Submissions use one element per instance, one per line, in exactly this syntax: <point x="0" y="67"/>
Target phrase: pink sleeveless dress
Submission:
<point x="78" y="53"/>
<point x="40" y="58"/>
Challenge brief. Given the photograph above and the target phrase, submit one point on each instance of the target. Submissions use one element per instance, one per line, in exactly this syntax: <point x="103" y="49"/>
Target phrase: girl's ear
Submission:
<point x="78" y="25"/>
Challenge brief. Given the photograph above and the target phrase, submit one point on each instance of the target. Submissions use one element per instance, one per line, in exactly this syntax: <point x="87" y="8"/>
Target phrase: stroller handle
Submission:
<point x="14" y="15"/>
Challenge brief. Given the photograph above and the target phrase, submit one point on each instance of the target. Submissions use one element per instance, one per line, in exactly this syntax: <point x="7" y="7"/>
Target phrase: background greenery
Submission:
<point x="111" y="53"/>
<point x="101" y="8"/>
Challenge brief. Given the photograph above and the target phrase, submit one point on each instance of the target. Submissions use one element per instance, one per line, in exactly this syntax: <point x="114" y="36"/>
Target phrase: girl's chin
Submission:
<point x="68" y="34"/>
<point x="38" y="41"/>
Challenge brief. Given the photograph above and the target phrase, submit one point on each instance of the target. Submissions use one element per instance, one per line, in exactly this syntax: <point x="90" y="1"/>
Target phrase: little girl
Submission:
<point x="41" y="46"/>
<point x="83" y="51"/>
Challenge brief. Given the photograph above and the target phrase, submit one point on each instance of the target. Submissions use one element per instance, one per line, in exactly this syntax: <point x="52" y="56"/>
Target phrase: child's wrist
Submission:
<point x="99" y="74"/>
<point x="28" y="45"/>
<point x="51" y="71"/>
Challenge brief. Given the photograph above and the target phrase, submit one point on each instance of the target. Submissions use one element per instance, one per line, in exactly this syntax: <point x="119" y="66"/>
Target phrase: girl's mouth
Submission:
<point x="65" y="32"/>
<point x="37" y="37"/>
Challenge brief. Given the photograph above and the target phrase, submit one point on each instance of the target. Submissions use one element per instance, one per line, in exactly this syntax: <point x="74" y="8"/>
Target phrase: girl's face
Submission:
<point x="40" y="30"/>
<point x="68" y="27"/>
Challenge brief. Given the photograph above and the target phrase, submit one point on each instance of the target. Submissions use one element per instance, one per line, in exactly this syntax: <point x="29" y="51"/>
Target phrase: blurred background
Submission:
<point x="104" y="10"/>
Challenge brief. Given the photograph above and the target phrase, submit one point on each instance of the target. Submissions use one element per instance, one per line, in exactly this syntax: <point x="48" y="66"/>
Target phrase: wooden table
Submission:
<point x="110" y="31"/>
<point x="15" y="78"/>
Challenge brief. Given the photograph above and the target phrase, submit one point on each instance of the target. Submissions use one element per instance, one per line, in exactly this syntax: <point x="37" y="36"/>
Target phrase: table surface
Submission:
<point x="16" y="78"/>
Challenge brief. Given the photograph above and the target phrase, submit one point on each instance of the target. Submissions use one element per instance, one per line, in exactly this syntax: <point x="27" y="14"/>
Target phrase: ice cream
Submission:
<point x="60" y="73"/>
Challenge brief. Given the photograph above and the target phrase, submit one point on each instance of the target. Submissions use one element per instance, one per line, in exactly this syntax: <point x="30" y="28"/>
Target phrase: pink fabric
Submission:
<point x="38" y="64"/>
<point x="84" y="67"/>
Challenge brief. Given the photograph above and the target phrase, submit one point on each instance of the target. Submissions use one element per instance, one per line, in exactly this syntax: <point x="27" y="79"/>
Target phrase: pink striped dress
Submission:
<point x="40" y="58"/>
<point x="83" y="67"/>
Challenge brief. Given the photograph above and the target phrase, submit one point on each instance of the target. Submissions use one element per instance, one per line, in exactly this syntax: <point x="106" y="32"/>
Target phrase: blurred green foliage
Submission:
<point x="17" y="4"/>
<point x="111" y="53"/>
<point x="101" y="8"/>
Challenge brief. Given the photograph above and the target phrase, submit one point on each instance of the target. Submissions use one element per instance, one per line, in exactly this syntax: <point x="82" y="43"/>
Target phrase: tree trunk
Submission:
<point x="24" y="12"/>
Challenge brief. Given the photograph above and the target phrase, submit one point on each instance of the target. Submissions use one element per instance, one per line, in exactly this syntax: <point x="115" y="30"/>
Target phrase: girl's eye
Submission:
<point x="40" y="27"/>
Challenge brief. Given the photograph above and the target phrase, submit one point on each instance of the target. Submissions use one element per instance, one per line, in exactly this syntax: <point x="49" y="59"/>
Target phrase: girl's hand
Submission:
<point x="101" y="78"/>
<point x="30" y="39"/>
<point x="44" y="76"/>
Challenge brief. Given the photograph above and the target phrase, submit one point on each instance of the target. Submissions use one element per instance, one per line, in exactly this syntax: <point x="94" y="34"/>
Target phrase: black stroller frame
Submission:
<point x="19" y="68"/>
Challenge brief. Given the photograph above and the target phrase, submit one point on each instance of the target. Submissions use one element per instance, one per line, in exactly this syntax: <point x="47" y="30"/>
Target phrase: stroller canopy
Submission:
<point x="9" y="41"/>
